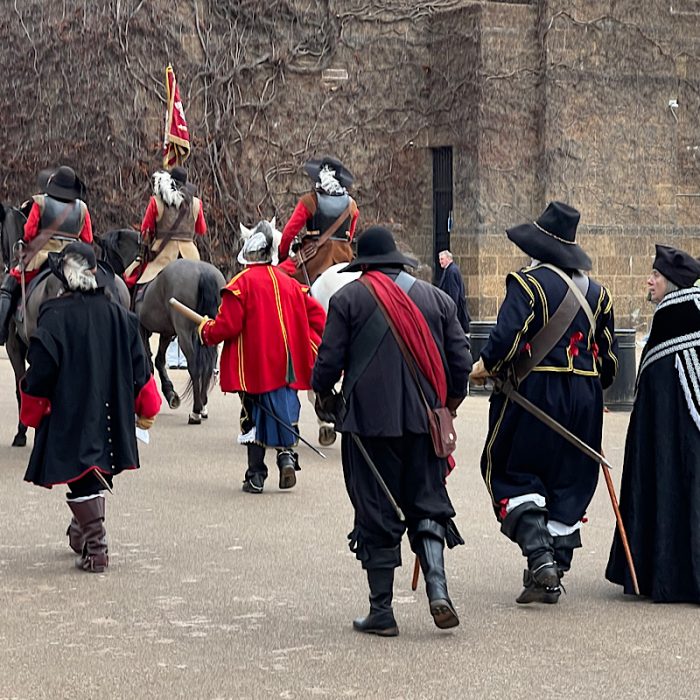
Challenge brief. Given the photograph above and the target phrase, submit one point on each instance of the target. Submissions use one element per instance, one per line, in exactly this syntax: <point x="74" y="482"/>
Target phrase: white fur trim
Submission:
<point x="691" y="394"/>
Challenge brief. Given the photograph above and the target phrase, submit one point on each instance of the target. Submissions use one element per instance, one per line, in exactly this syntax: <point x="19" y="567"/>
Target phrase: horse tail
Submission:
<point x="208" y="297"/>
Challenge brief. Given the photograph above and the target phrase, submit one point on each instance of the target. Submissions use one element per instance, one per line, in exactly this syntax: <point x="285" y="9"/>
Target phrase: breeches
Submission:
<point x="415" y="477"/>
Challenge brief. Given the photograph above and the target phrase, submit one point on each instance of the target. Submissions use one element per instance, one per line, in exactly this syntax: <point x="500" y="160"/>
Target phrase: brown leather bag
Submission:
<point x="442" y="430"/>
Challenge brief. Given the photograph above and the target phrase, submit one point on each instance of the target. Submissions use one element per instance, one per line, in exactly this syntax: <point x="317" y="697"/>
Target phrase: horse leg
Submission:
<point x="166" y="386"/>
<point x="17" y="352"/>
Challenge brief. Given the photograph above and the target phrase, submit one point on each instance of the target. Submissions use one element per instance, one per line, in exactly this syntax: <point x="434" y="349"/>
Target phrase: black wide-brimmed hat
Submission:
<point x="552" y="238"/>
<point x="376" y="247"/>
<point x="64" y="184"/>
<point x="342" y="174"/>
<point x="677" y="266"/>
<point x="78" y="248"/>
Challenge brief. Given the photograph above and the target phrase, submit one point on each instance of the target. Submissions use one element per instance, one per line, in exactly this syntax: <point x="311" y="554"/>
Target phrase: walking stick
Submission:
<point x="621" y="527"/>
<point x="416" y="573"/>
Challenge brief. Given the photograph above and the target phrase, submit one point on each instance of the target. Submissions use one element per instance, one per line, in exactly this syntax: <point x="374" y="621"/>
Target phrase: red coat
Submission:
<point x="298" y="220"/>
<point x="269" y="325"/>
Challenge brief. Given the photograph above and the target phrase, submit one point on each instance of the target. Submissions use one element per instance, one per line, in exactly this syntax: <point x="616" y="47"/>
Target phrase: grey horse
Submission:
<point x="23" y="323"/>
<point x="193" y="282"/>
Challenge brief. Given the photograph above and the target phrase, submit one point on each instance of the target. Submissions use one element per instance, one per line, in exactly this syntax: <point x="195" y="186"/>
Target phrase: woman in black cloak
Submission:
<point x="660" y="493"/>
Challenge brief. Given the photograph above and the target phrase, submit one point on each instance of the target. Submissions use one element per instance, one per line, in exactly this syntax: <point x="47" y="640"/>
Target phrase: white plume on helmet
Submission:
<point x="165" y="187"/>
<point x="260" y="244"/>
<point x="78" y="274"/>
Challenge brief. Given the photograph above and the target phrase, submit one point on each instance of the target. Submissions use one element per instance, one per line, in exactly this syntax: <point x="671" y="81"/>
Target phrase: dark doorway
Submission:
<point x="442" y="203"/>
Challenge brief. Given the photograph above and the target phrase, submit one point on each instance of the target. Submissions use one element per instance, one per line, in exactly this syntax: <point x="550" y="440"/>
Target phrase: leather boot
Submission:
<point x="527" y="525"/>
<point x="9" y="295"/>
<point x="90" y="515"/>
<point x="287" y="464"/>
<point x="381" y="620"/>
<point x="564" y="551"/>
<point x="257" y="470"/>
<point x="76" y="540"/>
<point x="428" y="542"/>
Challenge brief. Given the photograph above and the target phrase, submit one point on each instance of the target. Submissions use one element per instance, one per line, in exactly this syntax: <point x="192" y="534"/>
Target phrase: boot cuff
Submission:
<point x="509" y="525"/>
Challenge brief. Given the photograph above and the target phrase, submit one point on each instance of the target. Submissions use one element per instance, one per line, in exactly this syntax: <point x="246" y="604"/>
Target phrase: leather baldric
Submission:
<point x="310" y="247"/>
<point x="551" y="333"/>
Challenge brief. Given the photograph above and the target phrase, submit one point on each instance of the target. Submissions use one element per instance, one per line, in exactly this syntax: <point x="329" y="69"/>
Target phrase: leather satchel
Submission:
<point x="440" y="422"/>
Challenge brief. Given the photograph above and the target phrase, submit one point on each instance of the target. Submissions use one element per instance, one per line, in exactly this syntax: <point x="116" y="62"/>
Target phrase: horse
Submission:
<point x="193" y="282"/>
<point x="45" y="286"/>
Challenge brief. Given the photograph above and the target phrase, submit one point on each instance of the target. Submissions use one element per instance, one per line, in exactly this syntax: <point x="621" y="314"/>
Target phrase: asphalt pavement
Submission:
<point x="214" y="593"/>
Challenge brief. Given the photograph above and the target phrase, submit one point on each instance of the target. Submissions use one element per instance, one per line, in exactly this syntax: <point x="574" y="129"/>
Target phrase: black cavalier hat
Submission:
<point x="376" y="247"/>
<point x="78" y="248"/>
<point x="551" y="238"/>
<point x="676" y="265"/>
<point x="64" y="184"/>
<point x="342" y="174"/>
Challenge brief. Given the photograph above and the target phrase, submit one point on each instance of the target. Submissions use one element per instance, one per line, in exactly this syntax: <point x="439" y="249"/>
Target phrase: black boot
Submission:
<point x="564" y="551"/>
<point x="257" y="471"/>
<point x="287" y="464"/>
<point x="9" y="295"/>
<point x="381" y="620"/>
<point x="527" y="525"/>
<point x="428" y="542"/>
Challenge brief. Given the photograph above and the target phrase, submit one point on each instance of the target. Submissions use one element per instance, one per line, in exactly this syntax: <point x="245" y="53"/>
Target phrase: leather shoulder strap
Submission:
<point x="583" y="302"/>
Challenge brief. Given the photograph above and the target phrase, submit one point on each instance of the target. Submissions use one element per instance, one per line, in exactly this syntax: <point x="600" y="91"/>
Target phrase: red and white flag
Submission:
<point x="176" y="144"/>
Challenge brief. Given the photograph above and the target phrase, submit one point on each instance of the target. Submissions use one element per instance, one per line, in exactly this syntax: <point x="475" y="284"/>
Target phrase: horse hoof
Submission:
<point x="326" y="435"/>
<point x="174" y="401"/>
<point x="204" y="414"/>
<point x="195" y="419"/>
<point x="19" y="441"/>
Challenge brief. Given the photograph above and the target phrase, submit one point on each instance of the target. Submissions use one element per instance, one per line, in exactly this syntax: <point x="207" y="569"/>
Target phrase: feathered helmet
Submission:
<point x="260" y="244"/>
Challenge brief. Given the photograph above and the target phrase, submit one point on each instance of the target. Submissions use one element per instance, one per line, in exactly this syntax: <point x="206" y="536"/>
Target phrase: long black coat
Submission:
<point x="452" y="284"/>
<point x="385" y="401"/>
<point x="660" y="492"/>
<point x="88" y="359"/>
<point x="522" y="455"/>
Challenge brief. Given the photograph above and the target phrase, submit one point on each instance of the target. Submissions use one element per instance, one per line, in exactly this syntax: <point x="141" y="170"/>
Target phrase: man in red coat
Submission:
<point x="271" y="328"/>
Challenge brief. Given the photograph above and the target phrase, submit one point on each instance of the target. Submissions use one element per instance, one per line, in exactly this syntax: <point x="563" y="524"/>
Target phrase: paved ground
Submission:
<point x="213" y="593"/>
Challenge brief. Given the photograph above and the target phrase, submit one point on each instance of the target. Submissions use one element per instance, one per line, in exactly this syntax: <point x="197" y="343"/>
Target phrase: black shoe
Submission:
<point x="543" y="589"/>
<point x="286" y="461"/>
<point x="444" y="614"/>
<point x="253" y="484"/>
<point x="382" y="624"/>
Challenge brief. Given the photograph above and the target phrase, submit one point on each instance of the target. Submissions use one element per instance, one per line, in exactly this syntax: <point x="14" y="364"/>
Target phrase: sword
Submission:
<point x="21" y="244"/>
<point x="286" y="425"/>
<point x="508" y="390"/>
<point x="378" y="477"/>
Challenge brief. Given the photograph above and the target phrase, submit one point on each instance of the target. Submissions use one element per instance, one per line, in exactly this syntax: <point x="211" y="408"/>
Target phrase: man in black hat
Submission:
<point x="88" y="375"/>
<point x="57" y="217"/>
<point x="330" y="216"/>
<point x="660" y="489"/>
<point x="541" y="485"/>
<point x="172" y="219"/>
<point x="382" y="406"/>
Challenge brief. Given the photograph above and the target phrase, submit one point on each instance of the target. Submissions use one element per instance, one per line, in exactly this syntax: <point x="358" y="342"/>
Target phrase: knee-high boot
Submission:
<point x="381" y="618"/>
<point x="564" y="546"/>
<point x="90" y="515"/>
<point x="287" y="463"/>
<point x="9" y="295"/>
<point x="76" y="540"/>
<point x="428" y="542"/>
<point x="527" y="526"/>
<point x="257" y="470"/>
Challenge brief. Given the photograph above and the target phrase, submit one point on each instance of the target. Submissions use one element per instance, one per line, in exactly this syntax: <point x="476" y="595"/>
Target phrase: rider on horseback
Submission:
<point x="173" y="217"/>
<point x="330" y="216"/>
<point x="55" y="219"/>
